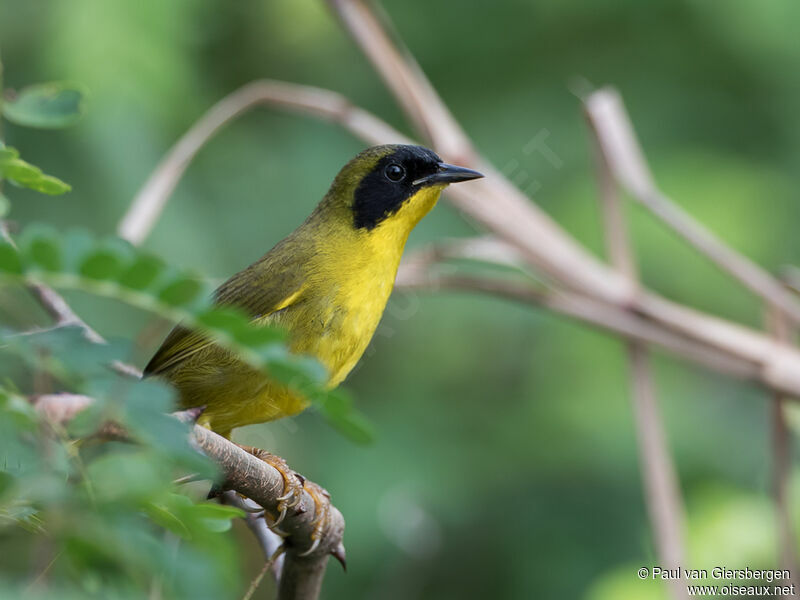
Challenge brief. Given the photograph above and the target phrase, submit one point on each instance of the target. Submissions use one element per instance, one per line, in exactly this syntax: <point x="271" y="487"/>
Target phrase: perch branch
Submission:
<point x="301" y="576"/>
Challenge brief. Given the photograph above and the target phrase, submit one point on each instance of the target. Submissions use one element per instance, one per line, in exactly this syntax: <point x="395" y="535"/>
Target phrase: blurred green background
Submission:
<point x="505" y="464"/>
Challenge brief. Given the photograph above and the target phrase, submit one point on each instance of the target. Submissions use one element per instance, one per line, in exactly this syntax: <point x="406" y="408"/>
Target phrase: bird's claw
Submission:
<point x="339" y="554"/>
<point x="314" y="546"/>
<point x="322" y="505"/>
<point x="292" y="485"/>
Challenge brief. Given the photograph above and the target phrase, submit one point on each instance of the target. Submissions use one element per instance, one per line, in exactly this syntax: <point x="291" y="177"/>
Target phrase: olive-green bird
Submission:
<point x="327" y="283"/>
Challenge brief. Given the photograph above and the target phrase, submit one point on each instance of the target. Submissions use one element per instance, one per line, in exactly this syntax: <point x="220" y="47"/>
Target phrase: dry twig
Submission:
<point x="627" y="163"/>
<point x="254" y="519"/>
<point x="144" y="211"/>
<point x="661" y="487"/>
<point x="782" y="458"/>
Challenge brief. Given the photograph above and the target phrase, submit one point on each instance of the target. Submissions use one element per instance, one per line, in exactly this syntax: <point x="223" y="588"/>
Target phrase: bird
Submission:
<point x="327" y="284"/>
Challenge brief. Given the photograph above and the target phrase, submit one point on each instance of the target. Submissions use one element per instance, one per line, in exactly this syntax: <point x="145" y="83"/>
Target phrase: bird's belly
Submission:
<point x="335" y="328"/>
<point x="345" y="327"/>
<point x="233" y="393"/>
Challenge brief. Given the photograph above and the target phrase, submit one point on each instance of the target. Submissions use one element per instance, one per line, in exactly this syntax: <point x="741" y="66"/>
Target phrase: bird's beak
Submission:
<point x="448" y="174"/>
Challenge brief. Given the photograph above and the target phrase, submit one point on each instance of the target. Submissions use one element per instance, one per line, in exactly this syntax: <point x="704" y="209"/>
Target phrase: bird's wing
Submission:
<point x="262" y="289"/>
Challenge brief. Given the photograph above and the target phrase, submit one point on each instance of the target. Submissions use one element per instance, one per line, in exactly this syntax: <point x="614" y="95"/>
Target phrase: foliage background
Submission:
<point x="505" y="462"/>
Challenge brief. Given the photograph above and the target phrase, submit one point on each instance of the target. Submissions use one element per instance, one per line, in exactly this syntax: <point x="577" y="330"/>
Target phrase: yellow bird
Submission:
<point x="327" y="283"/>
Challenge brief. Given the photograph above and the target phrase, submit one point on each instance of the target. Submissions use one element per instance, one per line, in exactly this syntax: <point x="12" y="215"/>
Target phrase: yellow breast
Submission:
<point x="344" y="303"/>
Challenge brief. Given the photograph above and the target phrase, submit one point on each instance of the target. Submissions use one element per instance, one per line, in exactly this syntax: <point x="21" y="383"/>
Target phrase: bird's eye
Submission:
<point x="394" y="172"/>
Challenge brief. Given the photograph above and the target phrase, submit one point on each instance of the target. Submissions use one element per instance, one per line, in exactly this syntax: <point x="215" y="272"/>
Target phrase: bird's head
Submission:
<point x="393" y="185"/>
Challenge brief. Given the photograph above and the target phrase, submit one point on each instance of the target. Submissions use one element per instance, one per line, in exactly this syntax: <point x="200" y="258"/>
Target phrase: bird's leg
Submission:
<point x="292" y="482"/>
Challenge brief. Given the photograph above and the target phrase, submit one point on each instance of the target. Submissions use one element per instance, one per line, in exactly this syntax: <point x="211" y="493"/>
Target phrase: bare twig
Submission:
<point x="257" y="580"/>
<point x="626" y="161"/>
<point x="269" y="565"/>
<point x="403" y="76"/>
<point x="782" y="458"/>
<point x="61" y="408"/>
<point x="151" y="199"/>
<point x="661" y="487"/>
<point x="269" y="541"/>
<point x="414" y="275"/>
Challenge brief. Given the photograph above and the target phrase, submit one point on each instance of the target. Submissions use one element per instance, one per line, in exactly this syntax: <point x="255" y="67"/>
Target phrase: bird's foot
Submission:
<point x="322" y="506"/>
<point x="293" y="484"/>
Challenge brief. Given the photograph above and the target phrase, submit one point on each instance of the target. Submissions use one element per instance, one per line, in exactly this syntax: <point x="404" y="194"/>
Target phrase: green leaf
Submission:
<point x="162" y="516"/>
<point x="338" y="410"/>
<point x="215" y="517"/>
<point x="240" y="327"/>
<point x="7" y="153"/>
<point x="206" y="510"/>
<point x="5" y="206"/>
<point x="27" y="175"/>
<point x="302" y="373"/>
<point x="46" y="105"/>
<point x="41" y="248"/>
<point x="142" y="272"/>
<point x="77" y="244"/>
<point x="20" y="171"/>
<point x="102" y="263"/>
<point x="10" y="261"/>
<point x="180" y="291"/>
<point x="128" y="476"/>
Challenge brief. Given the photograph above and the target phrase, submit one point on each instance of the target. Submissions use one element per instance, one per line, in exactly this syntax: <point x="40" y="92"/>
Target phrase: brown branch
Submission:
<point x="413" y="276"/>
<point x="301" y="576"/>
<point x="661" y="487"/>
<point x="242" y="472"/>
<point x="403" y="76"/>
